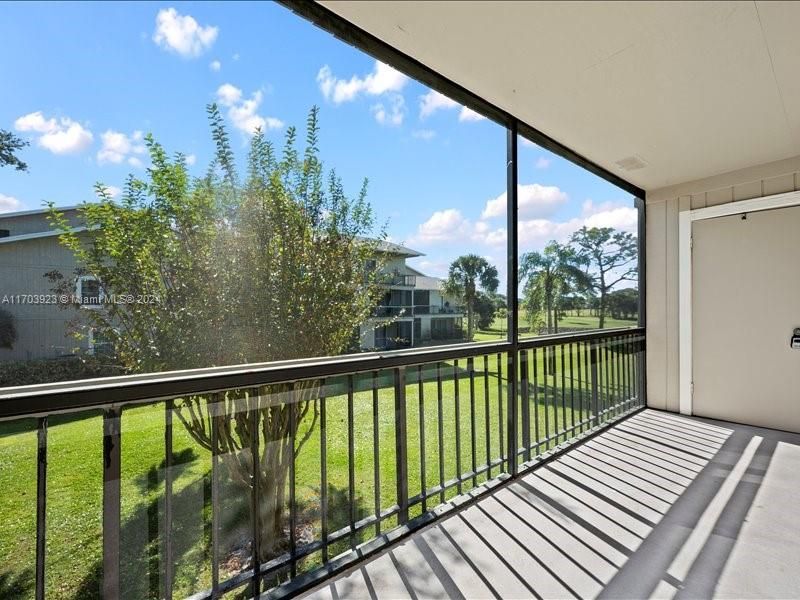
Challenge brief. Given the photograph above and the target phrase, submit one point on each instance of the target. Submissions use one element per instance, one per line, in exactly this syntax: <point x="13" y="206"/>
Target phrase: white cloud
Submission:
<point x="113" y="191"/>
<point x="442" y="226"/>
<point x="119" y="147"/>
<point x="424" y="134"/>
<point x="609" y="214"/>
<point x="215" y="65"/>
<point x="467" y="114"/>
<point x="381" y="80"/>
<point x="9" y="204"/>
<point x="392" y="114"/>
<point x="62" y="136"/>
<point x="191" y="159"/>
<point x="528" y="143"/>
<point x="535" y="233"/>
<point x="535" y="201"/>
<point x="228" y="94"/>
<point x="450" y="225"/>
<point x="135" y="162"/>
<point x="244" y="113"/>
<point x="434" y="101"/>
<point x="182" y="33"/>
<point x="542" y="162"/>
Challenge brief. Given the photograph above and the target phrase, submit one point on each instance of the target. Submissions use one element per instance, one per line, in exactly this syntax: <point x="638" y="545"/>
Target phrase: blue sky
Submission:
<point x="83" y="82"/>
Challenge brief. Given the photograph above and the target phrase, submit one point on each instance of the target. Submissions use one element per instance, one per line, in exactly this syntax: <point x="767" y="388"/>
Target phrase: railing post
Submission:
<point x="41" y="505"/>
<point x="512" y="293"/>
<point x="111" y="501"/>
<point x="594" y="382"/>
<point x="401" y="443"/>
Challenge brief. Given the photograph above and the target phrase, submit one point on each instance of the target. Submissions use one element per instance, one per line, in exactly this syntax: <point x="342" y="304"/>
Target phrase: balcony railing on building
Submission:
<point x="313" y="465"/>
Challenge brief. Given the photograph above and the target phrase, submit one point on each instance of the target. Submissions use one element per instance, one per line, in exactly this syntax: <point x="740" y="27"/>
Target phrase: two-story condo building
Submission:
<point x="413" y="311"/>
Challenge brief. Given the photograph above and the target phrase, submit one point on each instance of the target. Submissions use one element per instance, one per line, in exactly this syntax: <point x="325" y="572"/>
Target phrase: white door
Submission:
<point x="745" y="305"/>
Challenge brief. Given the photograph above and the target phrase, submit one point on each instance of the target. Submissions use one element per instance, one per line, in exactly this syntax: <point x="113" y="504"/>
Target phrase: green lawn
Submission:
<point x="497" y="331"/>
<point x="74" y="558"/>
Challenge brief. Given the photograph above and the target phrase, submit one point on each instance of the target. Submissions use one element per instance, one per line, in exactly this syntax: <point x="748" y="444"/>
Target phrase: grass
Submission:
<point x="74" y="491"/>
<point x="497" y="331"/>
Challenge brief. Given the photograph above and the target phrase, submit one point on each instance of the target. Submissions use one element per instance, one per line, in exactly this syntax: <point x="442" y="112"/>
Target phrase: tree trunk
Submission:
<point x="469" y="320"/>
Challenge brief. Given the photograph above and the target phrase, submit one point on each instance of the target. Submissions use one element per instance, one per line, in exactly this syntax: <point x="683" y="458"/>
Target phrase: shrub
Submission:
<point x="31" y="372"/>
<point x="8" y="329"/>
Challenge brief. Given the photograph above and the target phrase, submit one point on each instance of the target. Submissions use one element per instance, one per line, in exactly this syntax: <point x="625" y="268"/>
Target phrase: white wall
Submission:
<point x="663" y="206"/>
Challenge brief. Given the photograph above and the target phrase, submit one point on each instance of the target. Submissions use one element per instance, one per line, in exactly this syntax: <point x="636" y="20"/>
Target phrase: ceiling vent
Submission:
<point x="632" y="163"/>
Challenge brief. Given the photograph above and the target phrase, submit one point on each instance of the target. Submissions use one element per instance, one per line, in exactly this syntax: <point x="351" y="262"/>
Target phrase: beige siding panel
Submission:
<point x="719" y="196"/>
<point x="780" y="184"/>
<point x="656" y="306"/>
<point x="699" y="200"/>
<point x="672" y="302"/>
<point x="746" y="191"/>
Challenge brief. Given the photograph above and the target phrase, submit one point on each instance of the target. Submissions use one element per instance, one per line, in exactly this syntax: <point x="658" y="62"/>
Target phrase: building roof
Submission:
<point x="38" y="234"/>
<point x="399" y="250"/>
<point x="37" y="211"/>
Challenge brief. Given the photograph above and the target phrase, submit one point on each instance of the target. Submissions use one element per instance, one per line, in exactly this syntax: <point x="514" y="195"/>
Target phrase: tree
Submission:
<point x="467" y="274"/>
<point x="10" y="144"/>
<point x="624" y="303"/>
<point x="226" y="273"/>
<point x="485" y="309"/>
<point x="549" y="276"/>
<point x="8" y="330"/>
<point x="611" y="257"/>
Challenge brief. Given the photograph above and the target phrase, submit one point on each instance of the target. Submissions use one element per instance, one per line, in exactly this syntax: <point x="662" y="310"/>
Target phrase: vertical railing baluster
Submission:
<point x="486" y="414"/>
<point x="41" y="504"/>
<point x="513" y="410"/>
<point x="554" y="396"/>
<point x="629" y="368"/>
<point x="112" y="471"/>
<point x="213" y="409"/>
<point x="440" y="417"/>
<point x="457" y="424"/>
<point x="594" y="384"/>
<point x="607" y="365"/>
<point x="323" y="472"/>
<point x="563" y="393"/>
<point x="421" y="394"/>
<point x="500" y="422"/>
<point x="255" y="489"/>
<point x="401" y="443"/>
<point x="581" y="411"/>
<point x="293" y="424"/>
<point x="571" y="389"/>
<point x="376" y="452"/>
<point x="351" y="462"/>
<point x="526" y="405"/>
<point x="169" y="551"/>
<point x="546" y="407"/>
<point x="587" y="366"/>
<point x="472" y="436"/>
<point x="535" y="361"/>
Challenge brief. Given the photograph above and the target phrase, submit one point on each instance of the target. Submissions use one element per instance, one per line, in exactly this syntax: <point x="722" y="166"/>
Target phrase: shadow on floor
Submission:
<point x="658" y="506"/>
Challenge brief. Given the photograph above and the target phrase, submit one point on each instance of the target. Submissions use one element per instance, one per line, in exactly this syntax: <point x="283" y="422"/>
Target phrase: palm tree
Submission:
<point x="467" y="274"/>
<point x="549" y="276"/>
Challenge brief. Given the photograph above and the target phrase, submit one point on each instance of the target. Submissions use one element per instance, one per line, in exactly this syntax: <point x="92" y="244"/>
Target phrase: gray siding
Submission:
<point x="41" y="329"/>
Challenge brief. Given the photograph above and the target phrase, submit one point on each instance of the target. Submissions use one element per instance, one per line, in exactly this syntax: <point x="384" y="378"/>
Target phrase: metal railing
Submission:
<point x="407" y="310"/>
<point x="313" y="465"/>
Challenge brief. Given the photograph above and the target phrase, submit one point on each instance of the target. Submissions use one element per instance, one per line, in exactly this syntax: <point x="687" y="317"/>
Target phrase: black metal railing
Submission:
<point x="272" y="477"/>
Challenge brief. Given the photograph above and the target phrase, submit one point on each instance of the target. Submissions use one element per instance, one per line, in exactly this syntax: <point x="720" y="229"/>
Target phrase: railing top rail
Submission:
<point x="580" y="336"/>
<point x="47" y="398"/>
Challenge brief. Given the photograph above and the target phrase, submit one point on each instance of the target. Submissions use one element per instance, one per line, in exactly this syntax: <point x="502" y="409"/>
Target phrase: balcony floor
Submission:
<point x="660" y="505"/>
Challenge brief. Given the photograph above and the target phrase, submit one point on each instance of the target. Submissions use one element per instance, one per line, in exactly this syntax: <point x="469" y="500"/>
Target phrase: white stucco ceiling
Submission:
<point x="692" y="88"/>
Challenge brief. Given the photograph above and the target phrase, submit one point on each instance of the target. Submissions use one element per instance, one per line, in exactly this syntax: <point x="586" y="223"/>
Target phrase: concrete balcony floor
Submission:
<point x="659" y="505"/>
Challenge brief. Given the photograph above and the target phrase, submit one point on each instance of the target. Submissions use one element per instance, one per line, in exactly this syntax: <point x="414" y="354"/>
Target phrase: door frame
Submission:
<point x="685" y="221"/>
